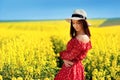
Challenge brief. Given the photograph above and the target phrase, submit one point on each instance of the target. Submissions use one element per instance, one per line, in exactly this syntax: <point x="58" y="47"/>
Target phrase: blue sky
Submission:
<point x="57" y="9"/>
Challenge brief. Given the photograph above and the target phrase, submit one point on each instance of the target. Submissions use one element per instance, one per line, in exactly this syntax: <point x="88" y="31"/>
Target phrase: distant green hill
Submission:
<point x="95" y="22"/>
<point x="111" y="22"/>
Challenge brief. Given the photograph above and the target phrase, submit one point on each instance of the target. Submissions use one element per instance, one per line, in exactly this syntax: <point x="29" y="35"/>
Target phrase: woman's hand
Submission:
<point x="68" y="63"/>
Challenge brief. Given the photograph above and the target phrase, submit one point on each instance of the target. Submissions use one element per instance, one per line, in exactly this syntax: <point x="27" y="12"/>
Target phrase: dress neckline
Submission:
<point x="79" y="41"/>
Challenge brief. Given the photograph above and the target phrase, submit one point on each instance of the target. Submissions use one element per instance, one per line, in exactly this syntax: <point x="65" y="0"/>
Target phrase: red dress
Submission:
<point x="76" y="51"/>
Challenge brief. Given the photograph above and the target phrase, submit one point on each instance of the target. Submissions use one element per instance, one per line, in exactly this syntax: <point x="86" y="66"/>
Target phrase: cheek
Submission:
<point x="77" y="28"/>
<point x="80" y="27"/>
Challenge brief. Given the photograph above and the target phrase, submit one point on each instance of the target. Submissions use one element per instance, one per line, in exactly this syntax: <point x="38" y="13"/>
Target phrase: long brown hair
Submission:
<point x="85" y="28"/>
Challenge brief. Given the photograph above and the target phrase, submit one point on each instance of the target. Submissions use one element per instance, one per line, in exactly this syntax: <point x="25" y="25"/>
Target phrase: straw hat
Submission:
<point x="78" y="14"/>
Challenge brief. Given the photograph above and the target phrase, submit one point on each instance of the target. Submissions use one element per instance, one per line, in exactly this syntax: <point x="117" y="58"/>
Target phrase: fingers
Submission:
<point x="71" y="63"/>
<point x="68" y="63"/>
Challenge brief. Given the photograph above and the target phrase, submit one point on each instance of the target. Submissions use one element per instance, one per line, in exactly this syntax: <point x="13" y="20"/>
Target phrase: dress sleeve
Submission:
<point x="71" y="52"/>
<point x="84" y="52"/>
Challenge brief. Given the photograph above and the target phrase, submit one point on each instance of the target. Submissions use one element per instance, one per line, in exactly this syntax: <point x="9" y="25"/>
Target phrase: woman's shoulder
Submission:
<point x="85" y="42"/>
<point x="83" y="38"/>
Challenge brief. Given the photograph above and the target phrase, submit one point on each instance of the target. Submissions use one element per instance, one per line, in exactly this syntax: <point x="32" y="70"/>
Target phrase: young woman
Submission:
<point x="77" y="48"/>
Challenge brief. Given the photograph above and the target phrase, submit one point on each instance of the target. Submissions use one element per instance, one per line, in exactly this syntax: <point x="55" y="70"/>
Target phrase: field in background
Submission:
<point x="30" y="50"/>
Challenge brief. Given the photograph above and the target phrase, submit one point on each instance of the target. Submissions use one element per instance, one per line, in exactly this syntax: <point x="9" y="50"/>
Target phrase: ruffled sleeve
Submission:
<point x="85" y="48"/>
<point x="73" y="49"/>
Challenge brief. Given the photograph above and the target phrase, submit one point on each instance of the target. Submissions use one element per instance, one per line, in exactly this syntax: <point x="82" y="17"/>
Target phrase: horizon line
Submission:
<point x="21" y="20"/>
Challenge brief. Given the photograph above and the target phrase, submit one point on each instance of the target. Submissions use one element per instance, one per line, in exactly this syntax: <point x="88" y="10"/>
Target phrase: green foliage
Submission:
<point x="58" y="46"/>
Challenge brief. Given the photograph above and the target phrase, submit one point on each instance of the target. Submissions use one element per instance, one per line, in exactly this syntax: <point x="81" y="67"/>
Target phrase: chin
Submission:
<point x="77" y="30"/>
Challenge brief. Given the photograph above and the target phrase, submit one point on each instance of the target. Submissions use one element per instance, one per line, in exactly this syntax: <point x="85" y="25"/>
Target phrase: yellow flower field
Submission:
<point x="30" y="50"/>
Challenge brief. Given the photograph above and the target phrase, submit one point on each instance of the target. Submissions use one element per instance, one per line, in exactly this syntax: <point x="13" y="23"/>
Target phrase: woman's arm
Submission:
<point x="69" y="54"/>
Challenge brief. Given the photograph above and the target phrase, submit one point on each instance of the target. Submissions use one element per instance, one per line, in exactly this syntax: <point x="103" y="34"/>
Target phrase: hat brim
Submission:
<point x="73" y="18"/>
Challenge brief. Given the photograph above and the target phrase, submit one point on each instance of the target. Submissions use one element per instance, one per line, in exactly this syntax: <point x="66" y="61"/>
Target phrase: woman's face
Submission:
<point x="77" y="25"/>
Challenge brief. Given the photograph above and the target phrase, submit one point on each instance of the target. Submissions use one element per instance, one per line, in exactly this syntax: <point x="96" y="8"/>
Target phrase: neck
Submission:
<point x="80" y="33"/>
